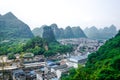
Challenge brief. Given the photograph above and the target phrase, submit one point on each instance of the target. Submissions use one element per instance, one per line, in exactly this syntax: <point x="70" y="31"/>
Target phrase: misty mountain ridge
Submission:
<point x="8" y="16"/>
<point x="12" y="27"/>
<point x="102" y="33"/>
<point x="0" y="15"/>
<point x="60" y="33"/>
<point x="104" y="64"/>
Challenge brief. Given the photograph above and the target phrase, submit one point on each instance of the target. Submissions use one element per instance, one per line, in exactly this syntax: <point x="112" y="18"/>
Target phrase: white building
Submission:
<point x="73" y="61"/>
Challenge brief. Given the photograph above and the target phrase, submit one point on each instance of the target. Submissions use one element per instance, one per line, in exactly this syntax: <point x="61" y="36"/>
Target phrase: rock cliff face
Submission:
<point x="48" y="34"/>
<point x="68" y="33"/>
<point x="60" y="33"/>
<point x="78" y="32"/>
<point x="12" y="27"/>
<point x="56" y="30"/>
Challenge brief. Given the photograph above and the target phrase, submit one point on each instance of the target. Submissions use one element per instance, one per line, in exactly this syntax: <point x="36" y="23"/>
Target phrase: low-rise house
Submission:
<point x="31" y="75"/>
<point x="60" y="69"/>
<point x="19" y="75"/>
<point x="75" y="60"/>
<point x="28" y="57"/>
<point x="46" y="75"/>
<point x="59" y="72"/>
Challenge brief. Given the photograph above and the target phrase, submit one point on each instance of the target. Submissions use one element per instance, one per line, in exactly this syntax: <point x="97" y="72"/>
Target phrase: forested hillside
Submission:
<point x="101" y="65"/>
<point x="11" y="27"/>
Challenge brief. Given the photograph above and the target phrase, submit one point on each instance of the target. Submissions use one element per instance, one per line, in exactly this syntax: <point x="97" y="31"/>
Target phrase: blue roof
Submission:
<point x="18" y="71"/>
<point x="42" y="69"/>
<point x="32" y="72"/>
<point x="54" y="79"/>
<point x="50" y="62"/>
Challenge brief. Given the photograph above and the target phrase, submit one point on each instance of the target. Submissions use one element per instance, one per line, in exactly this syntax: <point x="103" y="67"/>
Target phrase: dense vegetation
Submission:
<point x="12" y="46"/>
<point x="36" y="45"/>
<point x="40" y="46"/>
<point x="55" y="48"/>
<point x="101" y="65"/>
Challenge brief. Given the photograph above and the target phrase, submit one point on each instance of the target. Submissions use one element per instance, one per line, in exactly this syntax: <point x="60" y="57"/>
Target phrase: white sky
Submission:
<point x="83" y="13"/>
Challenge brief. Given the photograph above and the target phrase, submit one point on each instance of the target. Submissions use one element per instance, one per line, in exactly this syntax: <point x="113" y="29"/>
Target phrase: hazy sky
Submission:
<point x="83" y="13"/>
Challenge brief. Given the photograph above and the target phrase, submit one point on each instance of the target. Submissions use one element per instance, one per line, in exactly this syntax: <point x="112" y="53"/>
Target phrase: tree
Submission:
<point x="11" y="56"/>
<point x="38" y="50"/>
<point x="35" y="45"/>
<point x="49" y="53"/>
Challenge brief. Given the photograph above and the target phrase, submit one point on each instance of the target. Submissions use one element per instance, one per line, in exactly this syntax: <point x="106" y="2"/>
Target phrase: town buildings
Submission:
<point x="38" y="67"/>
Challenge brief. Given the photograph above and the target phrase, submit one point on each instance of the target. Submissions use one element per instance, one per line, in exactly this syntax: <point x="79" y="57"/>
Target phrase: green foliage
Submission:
<point x="62" y="49"/>
<point x="116" y="63"/>
<point x="65" y="77"/>
<point x="12" y="28"/>
<point x="11" y="56"/>
<point x="3" y="50"/>
<point x="36" y="41"/>
<point x="12" y="46"/>
<point x="103" y="64"/>
<point x="69" y="76"/>
<point x="28" y="55"/>
<point x="49" y="53"/>
<point x="36" y="45"/>
<point x="55" y="48"/>
<point x="38" y="50"/>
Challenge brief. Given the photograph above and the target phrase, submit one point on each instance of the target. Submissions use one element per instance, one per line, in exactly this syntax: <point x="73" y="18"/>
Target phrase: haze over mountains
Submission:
<point x="104" y="64"/>
<point x="60" y="33"/>
<point x="12" y="27"/>
<point x="105" y="33"/>
<point x="77" y="32"/>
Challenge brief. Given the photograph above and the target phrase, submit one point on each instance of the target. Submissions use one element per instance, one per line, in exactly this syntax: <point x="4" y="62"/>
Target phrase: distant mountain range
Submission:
<point x="104" y="64"/>
<point x="77" y="32"/>
<point x="105" y="33"/>
<point x="12" y="27"/>
<point x="60" y="33"/>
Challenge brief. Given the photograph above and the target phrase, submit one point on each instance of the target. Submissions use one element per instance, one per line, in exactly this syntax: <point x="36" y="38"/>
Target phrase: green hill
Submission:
<point x="105" y="63"/>
<point x="101" y="65"/>
<point x="12" y="27"/>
